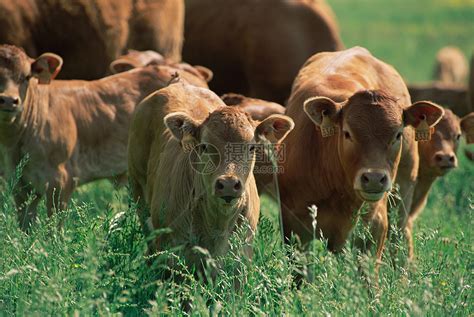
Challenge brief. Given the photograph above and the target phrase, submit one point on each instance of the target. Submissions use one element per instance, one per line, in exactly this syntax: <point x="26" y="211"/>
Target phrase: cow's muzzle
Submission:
<point x="9" y="103"/>
<point x="228" y="188"/>
<point x="445" y="162"/>
<point x="371" y="184"/>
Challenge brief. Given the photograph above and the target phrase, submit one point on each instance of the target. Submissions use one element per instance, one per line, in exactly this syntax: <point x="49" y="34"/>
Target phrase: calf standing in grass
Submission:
<point x="437" y="158"/>
<point x="352" y="114"/>
<point x="181" y="125"/>
<point x="73" y="131"/>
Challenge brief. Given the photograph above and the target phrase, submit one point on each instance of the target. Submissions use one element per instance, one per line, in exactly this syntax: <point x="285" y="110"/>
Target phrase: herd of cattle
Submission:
<point x="350" y="128"/>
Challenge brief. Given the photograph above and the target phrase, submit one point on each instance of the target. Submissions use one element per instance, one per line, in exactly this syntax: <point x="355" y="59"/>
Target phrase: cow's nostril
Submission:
<point x="2" y="101"/>
<point x="383" y="180"/>
<point x="238" y="185"/>
<point x="219" y="185"/>
<point x="438" y="158"/>
<point x="364" y="179"/>
<point x="451" y="159"/>
<point x="16" y="101"/>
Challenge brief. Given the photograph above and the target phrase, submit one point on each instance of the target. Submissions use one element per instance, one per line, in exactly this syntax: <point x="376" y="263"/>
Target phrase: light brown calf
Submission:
<point x="256" y="47"/>
<point x="73" y="131"/>
<point x="451" y="66"/>
<point x="352" y="113"/>
<point x="437" y="158"/>
<point x="183" y="172"/>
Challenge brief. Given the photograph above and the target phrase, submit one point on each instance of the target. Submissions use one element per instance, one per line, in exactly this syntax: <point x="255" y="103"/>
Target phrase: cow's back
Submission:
<point x="257" y="47"/>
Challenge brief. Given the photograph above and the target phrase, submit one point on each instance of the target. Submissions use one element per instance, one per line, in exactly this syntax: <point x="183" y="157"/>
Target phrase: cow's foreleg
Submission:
<point x="59" y="192"/>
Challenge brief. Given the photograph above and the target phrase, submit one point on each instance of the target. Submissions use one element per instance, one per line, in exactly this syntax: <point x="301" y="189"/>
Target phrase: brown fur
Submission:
<point x="257" y="108"/>
<point x="73" y="131"/>
<point x="367" y="100"/>
<point x="256" y="47"/>
<point x="167" y="187"/>
<point x="89" y="34"/>
<point x="451" y="66"/>
<point x="444" y="142"/>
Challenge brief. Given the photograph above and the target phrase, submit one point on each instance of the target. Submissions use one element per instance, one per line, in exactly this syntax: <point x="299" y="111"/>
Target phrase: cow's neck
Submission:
<point x="215" y="223"/>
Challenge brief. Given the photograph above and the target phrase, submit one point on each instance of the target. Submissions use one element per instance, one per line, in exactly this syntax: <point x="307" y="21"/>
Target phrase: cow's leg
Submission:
<point x="60" y="189"/>
<point x="26" y="213"/>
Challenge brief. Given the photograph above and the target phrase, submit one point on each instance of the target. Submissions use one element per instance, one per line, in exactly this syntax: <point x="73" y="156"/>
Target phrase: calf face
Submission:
<point x="369" y="127"/>
<point x="439" y="154"/>
<point x="227" y="137"/>
<point x="16" y="71"/>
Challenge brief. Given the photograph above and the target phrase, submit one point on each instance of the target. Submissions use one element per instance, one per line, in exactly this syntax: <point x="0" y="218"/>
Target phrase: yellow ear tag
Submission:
<point x="328" y="128"/>
<point x="188" y="142"/>
<point x="423" y="130"/>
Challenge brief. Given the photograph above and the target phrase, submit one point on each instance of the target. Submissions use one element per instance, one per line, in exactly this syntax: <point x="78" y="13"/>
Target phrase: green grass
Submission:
<point x="97" y="265"/>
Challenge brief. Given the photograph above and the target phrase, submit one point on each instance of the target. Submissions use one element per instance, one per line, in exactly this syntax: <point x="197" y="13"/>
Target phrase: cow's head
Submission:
<point x="229" y="138"/>
<point x="439" y="154"/>
<point x="369" y="129"/>
<point x="16" y="71"/>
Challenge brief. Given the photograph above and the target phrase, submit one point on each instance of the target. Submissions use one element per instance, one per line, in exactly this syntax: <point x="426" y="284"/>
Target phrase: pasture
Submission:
<point x="97" y="264"/>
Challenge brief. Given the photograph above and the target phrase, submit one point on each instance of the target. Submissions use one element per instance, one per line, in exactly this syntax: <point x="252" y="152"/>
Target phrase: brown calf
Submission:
<point x="451" y="66"/>
<point x="182" y="173"/>
<point x="90" y="34"/>
<point x="437" y="158"/>
<point x="256" y="47"/>
<point x="352" y="113"/>
<point x="73" y="131"/>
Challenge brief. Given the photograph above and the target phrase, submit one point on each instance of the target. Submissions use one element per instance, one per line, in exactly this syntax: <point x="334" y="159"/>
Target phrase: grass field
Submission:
<point x="97" y="265"/>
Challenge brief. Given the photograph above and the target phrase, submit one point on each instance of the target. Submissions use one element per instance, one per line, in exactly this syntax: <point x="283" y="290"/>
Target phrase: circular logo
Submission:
<point x="204" y="158"/>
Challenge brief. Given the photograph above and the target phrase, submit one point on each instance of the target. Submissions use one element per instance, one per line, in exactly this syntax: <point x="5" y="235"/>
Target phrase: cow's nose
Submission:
<point x="374" y="182"/>
<point x="7" y="101"/>
<point x="445" y="160"/>
<point x="228" y="188"/>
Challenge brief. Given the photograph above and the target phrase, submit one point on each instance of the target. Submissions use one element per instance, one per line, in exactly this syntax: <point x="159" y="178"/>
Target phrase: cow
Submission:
<point x="182" y="174"/>
<point x="256" y="47"/>
<point x="437" y="158"/>
<point x="353" y="138"/>
<point x="73" y="131"/>
<point x="451" y="66"/>
<point x="134" y="59"/>
<point x="257" y="108"/>
<point x="89" y="35"/>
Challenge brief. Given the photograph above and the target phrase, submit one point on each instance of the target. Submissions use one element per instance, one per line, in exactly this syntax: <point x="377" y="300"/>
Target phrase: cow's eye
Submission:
<point x="251" y="148"/>
<point x="398" y="137"/>
<point x="347" y="135"/>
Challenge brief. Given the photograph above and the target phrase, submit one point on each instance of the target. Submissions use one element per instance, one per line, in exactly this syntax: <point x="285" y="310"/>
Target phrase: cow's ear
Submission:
<point x="46" y="67"/>
<point x="324" y="112"/>
<point x="204" y="72"/>
<point x="184" y="128"/>
<point x="274" y="128"/>
<point x="467" y="127"/>
<point x="120" y="66"/>
<point x="423" y="116"/>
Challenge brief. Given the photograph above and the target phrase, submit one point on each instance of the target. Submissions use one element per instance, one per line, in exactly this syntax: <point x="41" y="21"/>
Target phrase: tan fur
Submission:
<point x="257" y="108"/>
<point x="89" y="34"/>
<point x="165" y="184"/>
<point x="451" y="66"/>
<point x="371" y="97"/>
<point x="73" y="131"/>
<point x="256" y="47"/>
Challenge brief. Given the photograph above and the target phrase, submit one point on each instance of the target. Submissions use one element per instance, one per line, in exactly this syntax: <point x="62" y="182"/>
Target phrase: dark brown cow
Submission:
<point x="73" y="131"/>
<point x="176" y="130"/>
<point x="90" y="34"/>
<point x="352" y="113"/>
<point x="256" y="47"/>
<point x="437" y="158"/>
